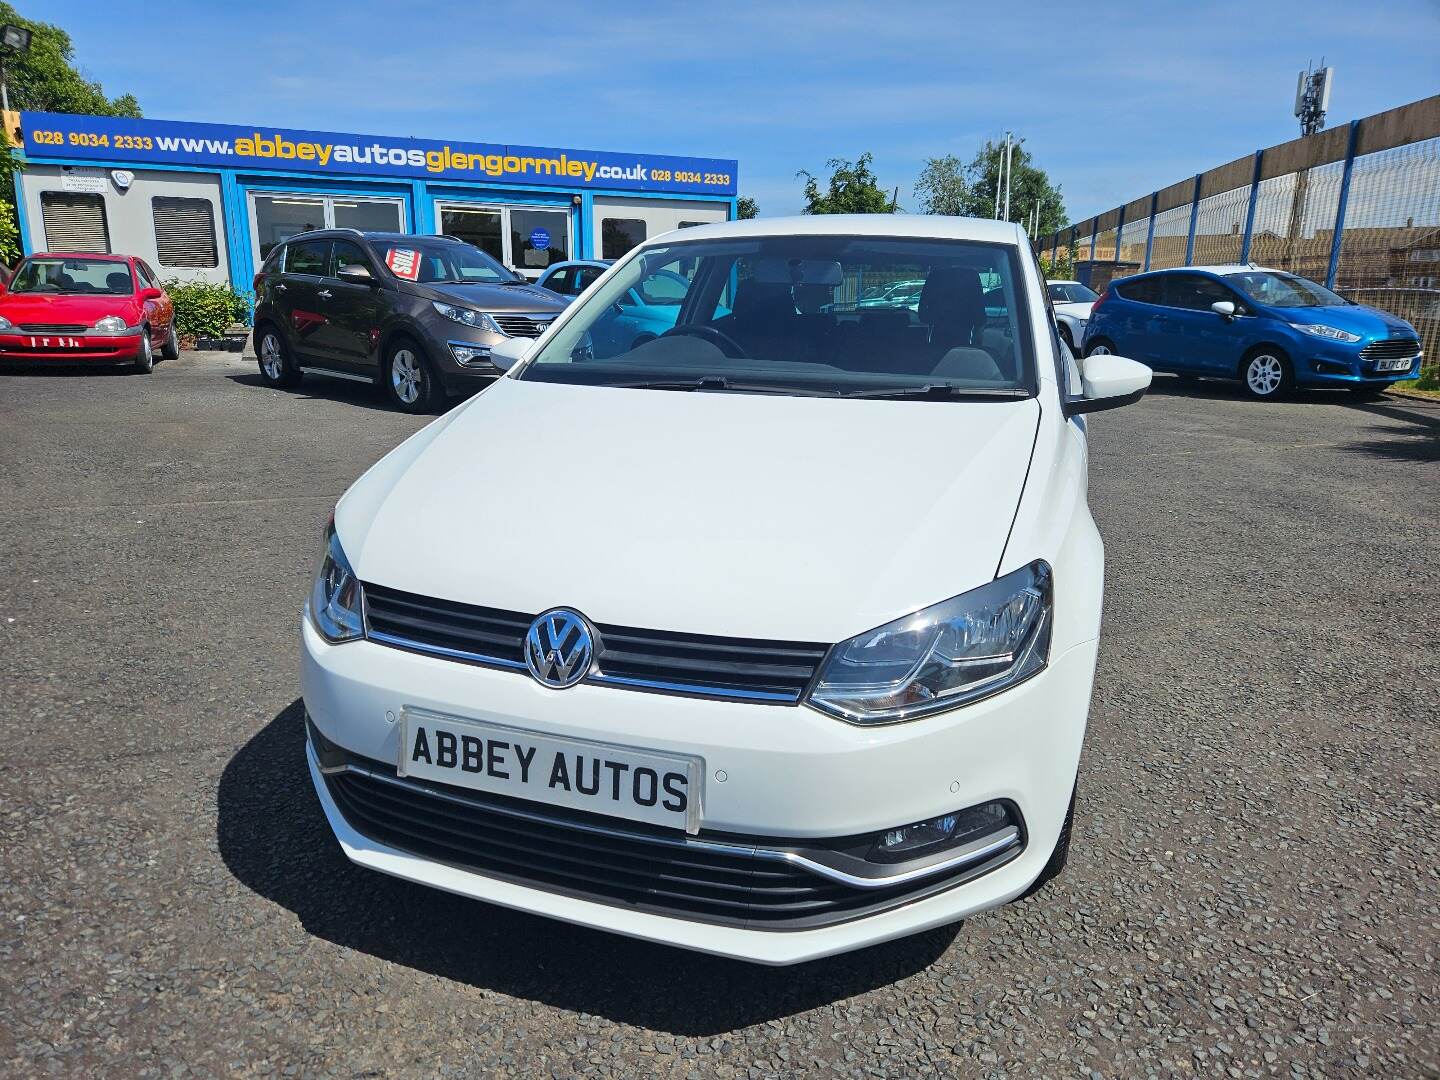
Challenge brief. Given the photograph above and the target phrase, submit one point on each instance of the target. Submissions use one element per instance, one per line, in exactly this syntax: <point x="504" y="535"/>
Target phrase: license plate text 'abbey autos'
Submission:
<point x="619" y="781"/>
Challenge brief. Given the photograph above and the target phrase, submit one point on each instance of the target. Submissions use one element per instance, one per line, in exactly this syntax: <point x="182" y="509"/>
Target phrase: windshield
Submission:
<point x="435" y="261"/>
<point x="827" y="315"/>
<point x="1072" y="292"/>
<point x="74" y="277"/>
<point x="1284" y="290"/>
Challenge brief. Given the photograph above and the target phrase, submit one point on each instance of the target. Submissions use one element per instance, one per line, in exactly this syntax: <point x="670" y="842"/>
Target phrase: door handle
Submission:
<point x="325" y="294"/>
<point x="281" y="287"/>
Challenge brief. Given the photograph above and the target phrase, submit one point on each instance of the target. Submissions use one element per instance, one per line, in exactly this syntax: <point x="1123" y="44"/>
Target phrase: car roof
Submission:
<point x="1062" y="281"/>
<point x="920" y="226"/>
<point x="605" y="263"/>
<point x="100" y="256"/>
<point x="1220" y="269"/>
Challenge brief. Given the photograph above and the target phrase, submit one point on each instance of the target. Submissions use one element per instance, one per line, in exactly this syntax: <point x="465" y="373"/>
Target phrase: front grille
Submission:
<point x="1401" y="348"/>
<point x="52" y="328"/>
<point x="522" y="325"/>
<point x="617" y="863"/>
<point x="740" y="669"/>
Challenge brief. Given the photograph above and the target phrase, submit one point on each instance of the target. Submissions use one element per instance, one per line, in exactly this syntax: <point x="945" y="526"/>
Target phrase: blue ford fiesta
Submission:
<point x="1271" y="330"/>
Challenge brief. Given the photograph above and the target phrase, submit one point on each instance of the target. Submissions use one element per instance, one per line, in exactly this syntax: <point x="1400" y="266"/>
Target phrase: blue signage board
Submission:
<point x="234" y="146"/>
<point x="540" y="240"/>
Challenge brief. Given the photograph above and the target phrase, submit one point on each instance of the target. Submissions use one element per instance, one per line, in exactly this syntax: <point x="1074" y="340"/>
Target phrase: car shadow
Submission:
<point x="361" y="395"/>
<point x="274" y="838"/>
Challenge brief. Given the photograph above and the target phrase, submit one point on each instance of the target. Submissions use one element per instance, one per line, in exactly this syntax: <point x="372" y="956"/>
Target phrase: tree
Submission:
<point x="45" y="79"/>
<point x="852" y="189"/>
<point x="941" y="186"/>
<point x="746" y="207"/>
<point x="971" y="190"/>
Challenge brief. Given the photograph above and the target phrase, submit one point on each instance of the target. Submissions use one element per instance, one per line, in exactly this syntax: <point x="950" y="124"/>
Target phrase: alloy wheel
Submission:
<point x="270" y="359"/>
<point x="1264" y="375"/>
<point x="1100" y="350"/>
<point x="406" y="376"/>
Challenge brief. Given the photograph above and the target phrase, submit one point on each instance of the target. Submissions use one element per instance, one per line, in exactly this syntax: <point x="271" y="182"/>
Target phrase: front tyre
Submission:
<point x="410" y="379"/>
<point x="171" y="349"/>
<point x="1266" y="375"/>
<point x="276" y="366"/>
<point x="1059" y="857"/>
<point x="1101" y="347"/>
<point x="145" y="356"/>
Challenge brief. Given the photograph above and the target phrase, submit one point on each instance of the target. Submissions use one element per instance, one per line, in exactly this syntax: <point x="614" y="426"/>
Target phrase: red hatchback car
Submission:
<point x="81" y="308"/>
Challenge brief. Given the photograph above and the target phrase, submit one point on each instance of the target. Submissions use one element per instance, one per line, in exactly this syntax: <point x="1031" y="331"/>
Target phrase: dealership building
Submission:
<point x="209" y="201"/>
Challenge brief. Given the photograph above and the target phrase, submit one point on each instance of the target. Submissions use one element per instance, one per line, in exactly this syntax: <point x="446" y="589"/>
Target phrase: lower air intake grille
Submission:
<point x="617" y="863"/>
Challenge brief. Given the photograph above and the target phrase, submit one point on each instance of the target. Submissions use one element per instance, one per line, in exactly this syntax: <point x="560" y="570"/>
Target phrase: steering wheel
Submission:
<point x="728" y="345"/>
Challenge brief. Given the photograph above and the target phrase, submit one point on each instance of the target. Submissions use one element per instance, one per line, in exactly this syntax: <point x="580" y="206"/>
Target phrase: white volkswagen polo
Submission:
<point x="770" y="636"/>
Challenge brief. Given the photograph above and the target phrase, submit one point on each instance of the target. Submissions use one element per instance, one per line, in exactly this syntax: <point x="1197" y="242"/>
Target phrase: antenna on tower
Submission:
<point x="1312" y="97"/>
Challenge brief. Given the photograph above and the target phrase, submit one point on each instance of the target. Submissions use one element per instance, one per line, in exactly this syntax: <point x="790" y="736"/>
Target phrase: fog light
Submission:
<point x="938" y="833"/>
<point x="470" y="354"/>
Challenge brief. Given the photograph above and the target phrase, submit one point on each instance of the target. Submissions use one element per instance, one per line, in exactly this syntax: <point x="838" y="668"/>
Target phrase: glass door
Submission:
<point x="276" y="216"/>
<point x="527" y="239"/>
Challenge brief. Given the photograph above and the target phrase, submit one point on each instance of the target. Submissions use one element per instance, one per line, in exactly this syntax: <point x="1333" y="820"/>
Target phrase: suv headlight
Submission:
<point x="958" y="651"/>
<point x="1329" y="333"/>
<point x="335" y="599"/>
<point x="468" y="317"/>
<point x="111" y="324"/>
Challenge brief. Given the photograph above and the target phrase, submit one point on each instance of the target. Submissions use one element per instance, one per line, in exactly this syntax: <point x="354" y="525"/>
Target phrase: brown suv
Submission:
<point x="417" y="314"/>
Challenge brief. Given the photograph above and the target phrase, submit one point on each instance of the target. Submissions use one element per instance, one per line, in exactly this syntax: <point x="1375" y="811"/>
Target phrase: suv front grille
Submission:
<point x="1401" y="348"/>
<point x="522" y="325"/>
<point x="714" y="877"/>
<point x="740" y="669"/>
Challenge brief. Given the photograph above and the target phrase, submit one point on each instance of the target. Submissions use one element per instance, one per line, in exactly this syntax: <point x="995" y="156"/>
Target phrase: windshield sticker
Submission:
<point x="403" y="263"/>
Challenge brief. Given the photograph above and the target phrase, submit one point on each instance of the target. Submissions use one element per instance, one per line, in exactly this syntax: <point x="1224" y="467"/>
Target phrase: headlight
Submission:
<point x="335" y="598"/>
<point x="467" y="317"/>
<point x="1329" y="333"/>
<point x="6" y="324"/>
<point x="111" y="324"/>
<point x="958" y="651"/>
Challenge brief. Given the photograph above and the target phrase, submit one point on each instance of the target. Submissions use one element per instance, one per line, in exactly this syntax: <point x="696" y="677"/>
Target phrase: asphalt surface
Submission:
<point x="1252" y="892"/>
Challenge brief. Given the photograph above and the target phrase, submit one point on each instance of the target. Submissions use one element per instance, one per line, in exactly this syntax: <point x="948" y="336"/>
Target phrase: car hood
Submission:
<point x="1078" y="310"/>
<point x="528" y="298"/>
<point x="1355" y="318"/>
<point x="767" y="516"/>
<point x="50" y="308"/>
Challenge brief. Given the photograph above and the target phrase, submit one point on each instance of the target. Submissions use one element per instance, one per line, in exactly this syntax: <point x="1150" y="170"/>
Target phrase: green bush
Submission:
<point x="206" y="309"/>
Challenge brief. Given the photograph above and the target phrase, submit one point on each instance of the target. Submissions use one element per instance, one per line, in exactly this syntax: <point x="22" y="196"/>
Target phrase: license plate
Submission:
<point x="1394" y="365"/>
<point x="55" y="342"/>
<point x="619" y="781"/>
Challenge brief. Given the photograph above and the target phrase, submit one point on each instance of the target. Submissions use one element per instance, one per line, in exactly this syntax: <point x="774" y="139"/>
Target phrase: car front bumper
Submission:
<point x="770" y="771"/>
<point x="1338" y="367"/>
<point x="69" y="348"/>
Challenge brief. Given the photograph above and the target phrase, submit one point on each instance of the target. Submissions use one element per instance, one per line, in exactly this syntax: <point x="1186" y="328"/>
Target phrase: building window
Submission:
<point x="692" y="224"/>
<point x="619" y="235"/>
<point x="185" y="232"/>
<point x="74" y="221"/>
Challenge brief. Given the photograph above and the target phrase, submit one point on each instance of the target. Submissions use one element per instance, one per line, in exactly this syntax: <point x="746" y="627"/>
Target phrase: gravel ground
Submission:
<point x="1253" y="889"/>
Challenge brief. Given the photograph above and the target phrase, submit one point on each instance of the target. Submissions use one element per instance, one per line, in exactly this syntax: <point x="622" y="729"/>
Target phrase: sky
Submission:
<point x="1114" y="100"/>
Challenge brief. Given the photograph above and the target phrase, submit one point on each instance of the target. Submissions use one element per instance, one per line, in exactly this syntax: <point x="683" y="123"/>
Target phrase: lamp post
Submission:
<point x="13" y="39"/>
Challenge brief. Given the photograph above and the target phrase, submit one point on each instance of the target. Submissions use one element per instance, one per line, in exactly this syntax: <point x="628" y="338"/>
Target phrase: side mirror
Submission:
<point x="1223" y="308"/>
<point x="355" y="274"/>
<point x="1109" y="382"/>
<point x="511" y="351"/>
<point x="151" y="294"/>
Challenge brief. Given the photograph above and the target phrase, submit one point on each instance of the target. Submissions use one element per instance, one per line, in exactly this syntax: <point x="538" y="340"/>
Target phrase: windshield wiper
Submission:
<point x="720" y="382"/>
<point x="944" y="392"/>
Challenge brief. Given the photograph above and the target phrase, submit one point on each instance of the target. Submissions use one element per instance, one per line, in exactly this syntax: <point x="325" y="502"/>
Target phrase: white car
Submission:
<point x="1071" y="303"/>
<point x="771" y="637"/>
